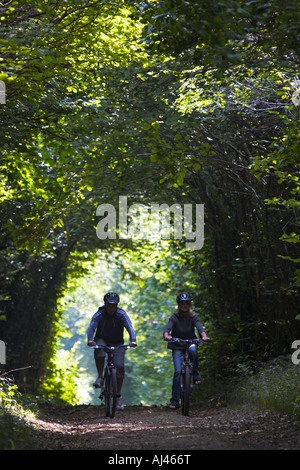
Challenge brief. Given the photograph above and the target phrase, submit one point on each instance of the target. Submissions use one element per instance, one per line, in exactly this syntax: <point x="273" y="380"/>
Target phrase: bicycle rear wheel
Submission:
<point x="111" y="393"/>
<point x="185" y="391"/>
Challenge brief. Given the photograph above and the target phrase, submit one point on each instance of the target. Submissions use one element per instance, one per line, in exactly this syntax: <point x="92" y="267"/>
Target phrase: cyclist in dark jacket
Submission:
<point x="182" y="324"/>
<point x="109" y="322"/>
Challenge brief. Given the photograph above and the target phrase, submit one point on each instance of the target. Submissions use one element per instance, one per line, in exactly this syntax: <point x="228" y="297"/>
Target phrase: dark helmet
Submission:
<point x="184" y="297"/>
<point x="111" y="298"/>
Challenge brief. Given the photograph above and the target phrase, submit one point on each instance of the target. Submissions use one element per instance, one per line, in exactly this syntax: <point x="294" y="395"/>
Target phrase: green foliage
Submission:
<point x="186" y="102"/>
<point x="219" y="33"/>
<point x="50" y="151"/>
<point x="274" y="388"/>
<point x="8" y="393"/>
<point x="283" y="163"/>
<point x="14" y="413"/>
<point x="60" y="383"/>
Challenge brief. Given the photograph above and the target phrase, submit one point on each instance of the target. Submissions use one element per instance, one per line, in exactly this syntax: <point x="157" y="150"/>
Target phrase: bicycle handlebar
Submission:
<point x="188" y="341"/>
<point x="111" y="348"/>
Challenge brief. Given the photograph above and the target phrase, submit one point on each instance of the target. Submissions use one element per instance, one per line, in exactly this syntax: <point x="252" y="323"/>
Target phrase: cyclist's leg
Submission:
<point x="99" y="355"/>
<point x="119" y="359"/>
<point x="178" y="356"/>
<point x="193" y="355"/>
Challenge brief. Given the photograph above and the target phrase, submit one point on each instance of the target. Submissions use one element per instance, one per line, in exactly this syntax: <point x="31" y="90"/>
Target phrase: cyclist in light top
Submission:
<point x="109" y="322"/>
<point x="182" y="324"/>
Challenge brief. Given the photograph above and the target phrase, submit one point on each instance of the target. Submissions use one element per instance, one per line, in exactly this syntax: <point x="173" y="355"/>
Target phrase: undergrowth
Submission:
<point x="276" y="387"/>
<point x="15" y="412"/>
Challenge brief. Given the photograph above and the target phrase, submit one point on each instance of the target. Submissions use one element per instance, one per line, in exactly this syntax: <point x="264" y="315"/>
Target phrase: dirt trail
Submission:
<point x="85" y="427"/>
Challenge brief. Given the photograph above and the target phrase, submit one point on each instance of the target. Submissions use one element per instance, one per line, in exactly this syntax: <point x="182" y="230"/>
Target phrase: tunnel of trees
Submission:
<point x="163" y="102"/>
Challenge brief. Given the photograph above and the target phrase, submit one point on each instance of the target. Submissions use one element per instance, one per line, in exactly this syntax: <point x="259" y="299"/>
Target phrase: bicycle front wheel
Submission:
<point x="186" y="389"/>
<point x="111" y="393"/>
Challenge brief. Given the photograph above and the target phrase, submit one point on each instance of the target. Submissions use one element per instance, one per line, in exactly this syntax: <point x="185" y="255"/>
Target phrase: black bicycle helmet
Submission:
<point x="111" y="298"/>
<point x="184" y="297"/>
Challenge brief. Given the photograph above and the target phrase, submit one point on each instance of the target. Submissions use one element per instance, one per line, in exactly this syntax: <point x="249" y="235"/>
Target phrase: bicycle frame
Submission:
<point x="186" y="377"/>
<point x="186" y="363"/>
<point x="109" y="393"/>
<point x="110" y="352"/>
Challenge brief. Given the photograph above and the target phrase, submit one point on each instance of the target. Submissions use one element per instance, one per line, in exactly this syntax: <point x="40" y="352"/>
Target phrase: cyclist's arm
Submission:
<point x="128" y="325"/>
<point x="167" y="329"/>
<point x="201" y="329"/>
<point x="91" y="330"/>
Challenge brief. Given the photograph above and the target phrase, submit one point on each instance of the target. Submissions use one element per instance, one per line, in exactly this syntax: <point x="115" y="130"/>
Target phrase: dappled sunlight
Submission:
<point x="159" y="428"/>
<point x="148" y="149"/>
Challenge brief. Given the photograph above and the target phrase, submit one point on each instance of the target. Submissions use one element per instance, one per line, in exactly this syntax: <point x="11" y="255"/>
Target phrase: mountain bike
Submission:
<point x="186" y="376"/>
<point x="109" y="393"/>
